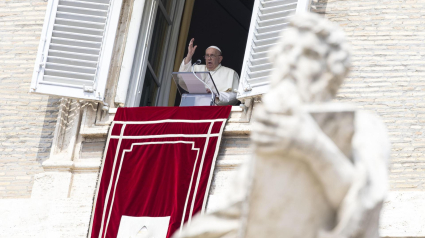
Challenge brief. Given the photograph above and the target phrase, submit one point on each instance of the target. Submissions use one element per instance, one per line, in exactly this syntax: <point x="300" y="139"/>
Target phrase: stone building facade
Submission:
<point x="51" y="148"/>
<point x="27" y="121"/>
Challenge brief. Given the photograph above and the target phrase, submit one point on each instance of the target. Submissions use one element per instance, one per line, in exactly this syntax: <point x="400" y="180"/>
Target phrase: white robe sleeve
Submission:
<point x="185" y="67"/>
<point x="229" y="97"/>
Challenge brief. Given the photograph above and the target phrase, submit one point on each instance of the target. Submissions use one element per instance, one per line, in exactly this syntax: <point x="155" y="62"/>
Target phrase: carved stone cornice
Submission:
<point x="66" y="140"/>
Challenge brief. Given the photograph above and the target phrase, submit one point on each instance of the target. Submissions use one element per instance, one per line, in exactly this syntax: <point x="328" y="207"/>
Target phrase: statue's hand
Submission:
<point x="280" y="133"/>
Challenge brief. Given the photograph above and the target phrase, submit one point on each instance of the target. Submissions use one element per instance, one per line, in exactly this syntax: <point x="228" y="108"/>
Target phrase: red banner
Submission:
<point x="157" y="169"/>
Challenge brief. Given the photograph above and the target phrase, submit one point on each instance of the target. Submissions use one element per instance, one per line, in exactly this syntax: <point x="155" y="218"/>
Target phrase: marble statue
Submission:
<point x="319" y="167"/>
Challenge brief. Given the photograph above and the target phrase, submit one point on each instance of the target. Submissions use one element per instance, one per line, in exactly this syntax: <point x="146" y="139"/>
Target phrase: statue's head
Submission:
<point x="314" y="54"/>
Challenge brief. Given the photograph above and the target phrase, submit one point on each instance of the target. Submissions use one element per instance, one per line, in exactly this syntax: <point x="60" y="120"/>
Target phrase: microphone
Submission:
<point x="197" y="62"/>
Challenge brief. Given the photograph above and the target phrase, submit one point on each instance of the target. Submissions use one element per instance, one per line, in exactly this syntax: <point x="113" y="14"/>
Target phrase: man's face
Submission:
<point x="212" y="58"/>
<point x="305" y="59"/>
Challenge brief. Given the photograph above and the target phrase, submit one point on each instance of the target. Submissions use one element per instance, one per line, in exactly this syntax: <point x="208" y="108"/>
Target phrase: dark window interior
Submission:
<point x="223" y="23"/>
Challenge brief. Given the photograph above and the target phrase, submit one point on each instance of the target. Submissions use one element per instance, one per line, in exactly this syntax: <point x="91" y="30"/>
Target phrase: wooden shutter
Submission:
<point x="269" y="18"/>
<point x="75" y="48"/>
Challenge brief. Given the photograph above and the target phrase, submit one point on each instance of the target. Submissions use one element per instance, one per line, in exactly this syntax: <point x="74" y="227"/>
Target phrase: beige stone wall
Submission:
<point x="387" y="77"/>
<point x="27" y="121"/>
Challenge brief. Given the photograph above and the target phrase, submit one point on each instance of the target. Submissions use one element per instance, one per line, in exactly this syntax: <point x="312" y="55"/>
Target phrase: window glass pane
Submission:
<point x="168" y="4"/>
<point x="149" y="90"/>
<point x="159" y="38"/>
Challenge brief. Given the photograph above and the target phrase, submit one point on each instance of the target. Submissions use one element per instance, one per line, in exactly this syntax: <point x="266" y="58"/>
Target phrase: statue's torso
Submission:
<point x="287" y="201"/>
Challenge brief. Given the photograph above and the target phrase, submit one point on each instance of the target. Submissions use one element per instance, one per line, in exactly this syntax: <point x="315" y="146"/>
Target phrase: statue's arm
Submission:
<point x="332" y="168"/>
<point x="299" y="136"/>
<point x="371" y="148"/>
<point x="358" y="215"/>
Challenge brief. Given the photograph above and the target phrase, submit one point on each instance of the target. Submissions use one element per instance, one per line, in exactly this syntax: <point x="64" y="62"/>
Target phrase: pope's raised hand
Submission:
<point x="190" y="51"/>
<point x="191" y="48"/>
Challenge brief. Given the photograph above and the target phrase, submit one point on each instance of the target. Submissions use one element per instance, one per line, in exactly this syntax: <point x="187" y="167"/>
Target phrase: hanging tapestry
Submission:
<point x="157" y="170"/>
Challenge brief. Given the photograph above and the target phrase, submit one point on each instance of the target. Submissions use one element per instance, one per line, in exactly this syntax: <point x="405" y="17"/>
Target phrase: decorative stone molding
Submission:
<point x="67" y="139"/>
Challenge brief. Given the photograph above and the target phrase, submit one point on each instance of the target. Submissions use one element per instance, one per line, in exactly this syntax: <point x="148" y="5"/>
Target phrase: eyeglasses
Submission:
<point x="210" y="56"/>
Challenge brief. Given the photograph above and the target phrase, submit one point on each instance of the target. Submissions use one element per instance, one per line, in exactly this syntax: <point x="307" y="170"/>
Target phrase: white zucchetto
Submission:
<point x="215" y="47"/>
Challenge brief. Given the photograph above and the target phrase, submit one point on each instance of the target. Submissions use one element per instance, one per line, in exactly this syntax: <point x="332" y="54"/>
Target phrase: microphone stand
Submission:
<point x="212" y="92"/>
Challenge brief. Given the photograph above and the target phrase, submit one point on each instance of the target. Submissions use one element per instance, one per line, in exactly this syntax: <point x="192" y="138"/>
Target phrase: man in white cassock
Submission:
<point x="225" y="79"/>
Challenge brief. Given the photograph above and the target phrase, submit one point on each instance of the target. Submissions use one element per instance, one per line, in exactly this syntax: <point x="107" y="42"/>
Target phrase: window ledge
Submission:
<point x="237" y="124"/>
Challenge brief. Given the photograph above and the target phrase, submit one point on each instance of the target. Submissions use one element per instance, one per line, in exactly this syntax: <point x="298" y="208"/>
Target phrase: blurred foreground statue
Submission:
<point x="320" y="168"/>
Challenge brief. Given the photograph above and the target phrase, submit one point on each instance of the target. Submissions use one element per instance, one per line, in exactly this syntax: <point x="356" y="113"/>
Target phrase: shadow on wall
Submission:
<point x="46" y="137"/>
<point x="47" y="132"/>
<point x="26" y="133"/>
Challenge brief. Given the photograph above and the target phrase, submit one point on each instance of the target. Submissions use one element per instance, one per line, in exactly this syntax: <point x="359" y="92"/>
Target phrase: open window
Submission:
<point x="164" y="37"/>
<point x="77" y="41"/>
<point x="221" y="23"/>
<point x="245" y="30"/>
